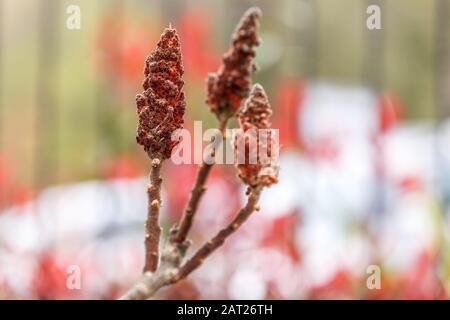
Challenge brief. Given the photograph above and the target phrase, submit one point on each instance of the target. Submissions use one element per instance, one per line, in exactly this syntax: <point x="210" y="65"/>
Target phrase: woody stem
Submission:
<point x="170" y="272"/>
<point x="209" y="247"/>
<point x="152" y="227"/>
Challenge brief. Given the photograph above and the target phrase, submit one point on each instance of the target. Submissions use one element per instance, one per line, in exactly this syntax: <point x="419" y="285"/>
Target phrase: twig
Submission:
<point x="152" y="227"/>
<point x="198" y="190"/>
<point x="162" y="96"/>
<point x="226" y="89"/>
<point x="170" y="272"/>
<point x="151" y="282"/>
<point x="210" y="246"/>
<point x="160" y="109"/>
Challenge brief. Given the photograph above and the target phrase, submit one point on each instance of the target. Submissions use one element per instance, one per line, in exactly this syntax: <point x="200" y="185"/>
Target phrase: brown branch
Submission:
<point x="170" y="272"/>
<point x="151" y="282"/>
<point x="145" y="288"/>
<point x="210" y="246"/>
<point x="152" y="227"/>
<point x="225" y="91"/>
<point x="163" y="95"/>
<point x="198" y="189"/>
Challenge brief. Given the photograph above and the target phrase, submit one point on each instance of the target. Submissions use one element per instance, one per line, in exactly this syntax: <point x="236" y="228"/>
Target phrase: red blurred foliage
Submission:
<point x="122" y="167"/>
<point x="11" y="191"/>
<point x="122" y="46"/>
<point x="49" y="279"/>
<point x="411" y="183"/>
<point x="288" y="109"/>
<point x="184" y="290"/>
<point x="230" y="188"/>
<point x="324" y="149"/>
<point x="5" y="180"/>
<point x="281" y="235"/>
<point x="199" y="55"/>
<point x="113" y="291"/>
<point x="179" y="179"/>
<point x="22" y="195"/>
<point x="421" y="282"/>
<point x="390" y="110"/>
<point x="340" y="286"/>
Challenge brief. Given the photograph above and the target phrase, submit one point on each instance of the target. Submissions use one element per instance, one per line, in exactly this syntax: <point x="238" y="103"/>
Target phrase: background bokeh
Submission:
<point x="365" y="159"/>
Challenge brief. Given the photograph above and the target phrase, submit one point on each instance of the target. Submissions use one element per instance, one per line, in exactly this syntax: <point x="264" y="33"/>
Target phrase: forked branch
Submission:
<point x="225" y="90"/>
<point x="160" y="111"/>
<point x="219" y="239"/>
<point x="170" y="271"/>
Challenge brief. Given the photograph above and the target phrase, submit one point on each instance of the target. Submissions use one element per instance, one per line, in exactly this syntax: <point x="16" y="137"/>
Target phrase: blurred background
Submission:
<point x="365" y="160"/>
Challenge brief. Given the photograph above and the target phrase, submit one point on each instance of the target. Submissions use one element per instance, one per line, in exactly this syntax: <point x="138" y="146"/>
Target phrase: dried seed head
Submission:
<point x="231" y="83"/>
<point x="256" y="111"/>
<point x="253" y="118"/>
<point x="161" y="106"/>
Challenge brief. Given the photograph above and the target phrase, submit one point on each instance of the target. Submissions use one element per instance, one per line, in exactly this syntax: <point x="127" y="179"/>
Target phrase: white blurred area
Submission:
<point x="361" y="195"/>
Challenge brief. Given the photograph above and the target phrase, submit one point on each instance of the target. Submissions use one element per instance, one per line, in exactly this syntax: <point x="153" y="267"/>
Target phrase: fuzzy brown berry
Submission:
<point x="231" y="83"/>
<point x="161" y="106"/>
<point x="254" y="123"/>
